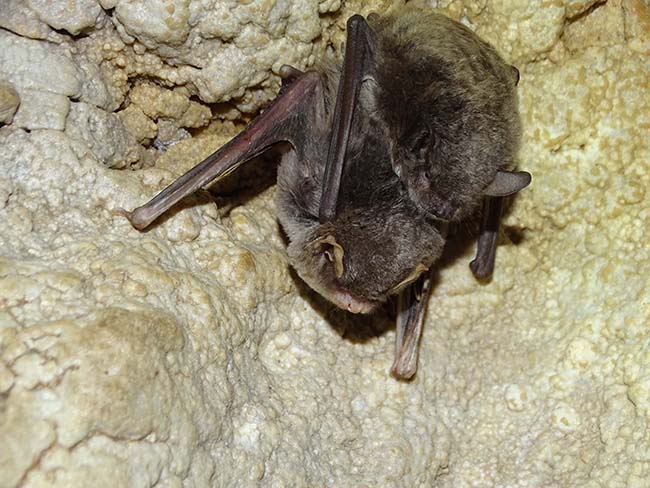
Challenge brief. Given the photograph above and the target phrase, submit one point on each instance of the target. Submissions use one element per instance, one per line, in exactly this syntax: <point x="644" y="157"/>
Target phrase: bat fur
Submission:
<point x="418" y="127"/>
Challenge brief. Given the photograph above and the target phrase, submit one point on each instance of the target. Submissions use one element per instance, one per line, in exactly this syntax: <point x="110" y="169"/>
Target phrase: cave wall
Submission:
<point x="189" y="355"/>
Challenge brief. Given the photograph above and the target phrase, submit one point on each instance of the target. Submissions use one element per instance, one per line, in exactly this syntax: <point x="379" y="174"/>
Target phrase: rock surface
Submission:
<point x="189" y="355"/>
<point x="9" y="101"/>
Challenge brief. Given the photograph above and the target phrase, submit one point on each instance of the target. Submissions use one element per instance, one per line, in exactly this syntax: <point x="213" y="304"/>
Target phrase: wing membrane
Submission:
<point x="275" y="125"/>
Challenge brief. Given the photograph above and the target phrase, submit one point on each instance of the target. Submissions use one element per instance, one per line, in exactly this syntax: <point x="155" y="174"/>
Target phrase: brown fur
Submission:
<point x="436" y="119"/>
<point x="450" y="108"/>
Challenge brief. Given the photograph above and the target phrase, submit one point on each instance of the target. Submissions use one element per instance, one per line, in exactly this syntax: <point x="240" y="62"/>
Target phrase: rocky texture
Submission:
<point x="9" y="101"/>
<point x="189" y="355"/>
<point x="71" y="15"/>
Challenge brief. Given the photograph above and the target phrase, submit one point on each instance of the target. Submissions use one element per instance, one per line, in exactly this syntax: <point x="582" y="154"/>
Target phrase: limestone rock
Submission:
<point x="233" y="44"/>
<point x="9" y="101"/>
<point x="137" y="123"/>
<point x="17" y="17"/>
<point x="42" y="110"/>
<point x="35" y="65"/>
<point x="190" y="355"/>
<point x="103" y="133"/>
<point x="71" y="15"/>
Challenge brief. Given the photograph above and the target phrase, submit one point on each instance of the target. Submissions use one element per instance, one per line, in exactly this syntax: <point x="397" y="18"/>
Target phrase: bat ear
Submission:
<point x="414" y="275"/>
<point x="507" y="182"/>
<point x="333" y="252"/>
<point x="515" y="74"/>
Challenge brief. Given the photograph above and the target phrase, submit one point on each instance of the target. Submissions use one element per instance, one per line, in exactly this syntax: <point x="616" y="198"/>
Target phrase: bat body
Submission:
<point x="450" y="108"/>
<point x="415" y="129"/>
<point x="378" y="236"/>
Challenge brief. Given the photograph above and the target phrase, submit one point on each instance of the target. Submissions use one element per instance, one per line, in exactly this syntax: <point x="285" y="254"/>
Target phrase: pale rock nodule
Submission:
<point x="190" y="355"/>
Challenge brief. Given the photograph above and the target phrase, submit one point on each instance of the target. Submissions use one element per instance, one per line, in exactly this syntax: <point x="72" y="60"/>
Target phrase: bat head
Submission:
<point x="363" y="256"/>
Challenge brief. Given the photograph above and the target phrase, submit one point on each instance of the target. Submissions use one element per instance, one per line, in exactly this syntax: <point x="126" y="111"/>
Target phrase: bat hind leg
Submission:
<point x="411" y="308"/>
<point x="486" y="249"/>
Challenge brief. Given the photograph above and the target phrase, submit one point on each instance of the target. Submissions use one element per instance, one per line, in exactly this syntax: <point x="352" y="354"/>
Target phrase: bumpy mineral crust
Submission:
<point x="190" y="355"/>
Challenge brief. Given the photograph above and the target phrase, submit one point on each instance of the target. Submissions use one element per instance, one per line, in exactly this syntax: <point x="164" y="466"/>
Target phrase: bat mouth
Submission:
<point x="337" y="295"/>
<point x="353" y="304"/>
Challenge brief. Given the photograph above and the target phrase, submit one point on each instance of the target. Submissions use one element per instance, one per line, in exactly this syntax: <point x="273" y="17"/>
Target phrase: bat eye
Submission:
<point x="426" y="178"/>
<point x="420" y="145"/>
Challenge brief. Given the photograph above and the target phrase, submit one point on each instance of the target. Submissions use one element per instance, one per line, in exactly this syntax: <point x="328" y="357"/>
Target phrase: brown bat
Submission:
<point x="416" y="129"/>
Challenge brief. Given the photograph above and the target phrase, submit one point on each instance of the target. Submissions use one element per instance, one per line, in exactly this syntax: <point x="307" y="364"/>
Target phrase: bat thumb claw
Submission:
<point x="130" y="216"/>
<point x="119" y="211"/>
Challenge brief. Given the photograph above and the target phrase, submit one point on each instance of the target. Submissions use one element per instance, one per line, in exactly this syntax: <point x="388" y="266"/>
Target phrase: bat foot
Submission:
<point x="406" y="348"/>
<point x="403" y="370"/>
<point x="481" y="270"/>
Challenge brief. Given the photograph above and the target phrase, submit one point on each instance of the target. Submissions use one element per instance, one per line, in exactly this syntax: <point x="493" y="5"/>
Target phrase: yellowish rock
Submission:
<point x="137" y="123"/>
<point x="190" y="354"/>
<point x="9" y="101"/>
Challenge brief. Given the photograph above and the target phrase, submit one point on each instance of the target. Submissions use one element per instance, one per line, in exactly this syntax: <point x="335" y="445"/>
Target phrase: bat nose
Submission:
<point x="352" y="304"/>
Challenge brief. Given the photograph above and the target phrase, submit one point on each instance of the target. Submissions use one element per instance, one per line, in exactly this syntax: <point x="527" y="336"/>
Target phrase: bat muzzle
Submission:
<point x="353" y="304"/>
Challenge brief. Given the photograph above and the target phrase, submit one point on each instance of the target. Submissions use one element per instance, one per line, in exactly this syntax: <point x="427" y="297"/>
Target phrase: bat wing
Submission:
<point x="278" y="123"/>
<point x="359" y="48"/>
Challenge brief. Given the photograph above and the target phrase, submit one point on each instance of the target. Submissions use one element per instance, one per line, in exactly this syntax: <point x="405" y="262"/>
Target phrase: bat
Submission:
<point x="415" y="129"/>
